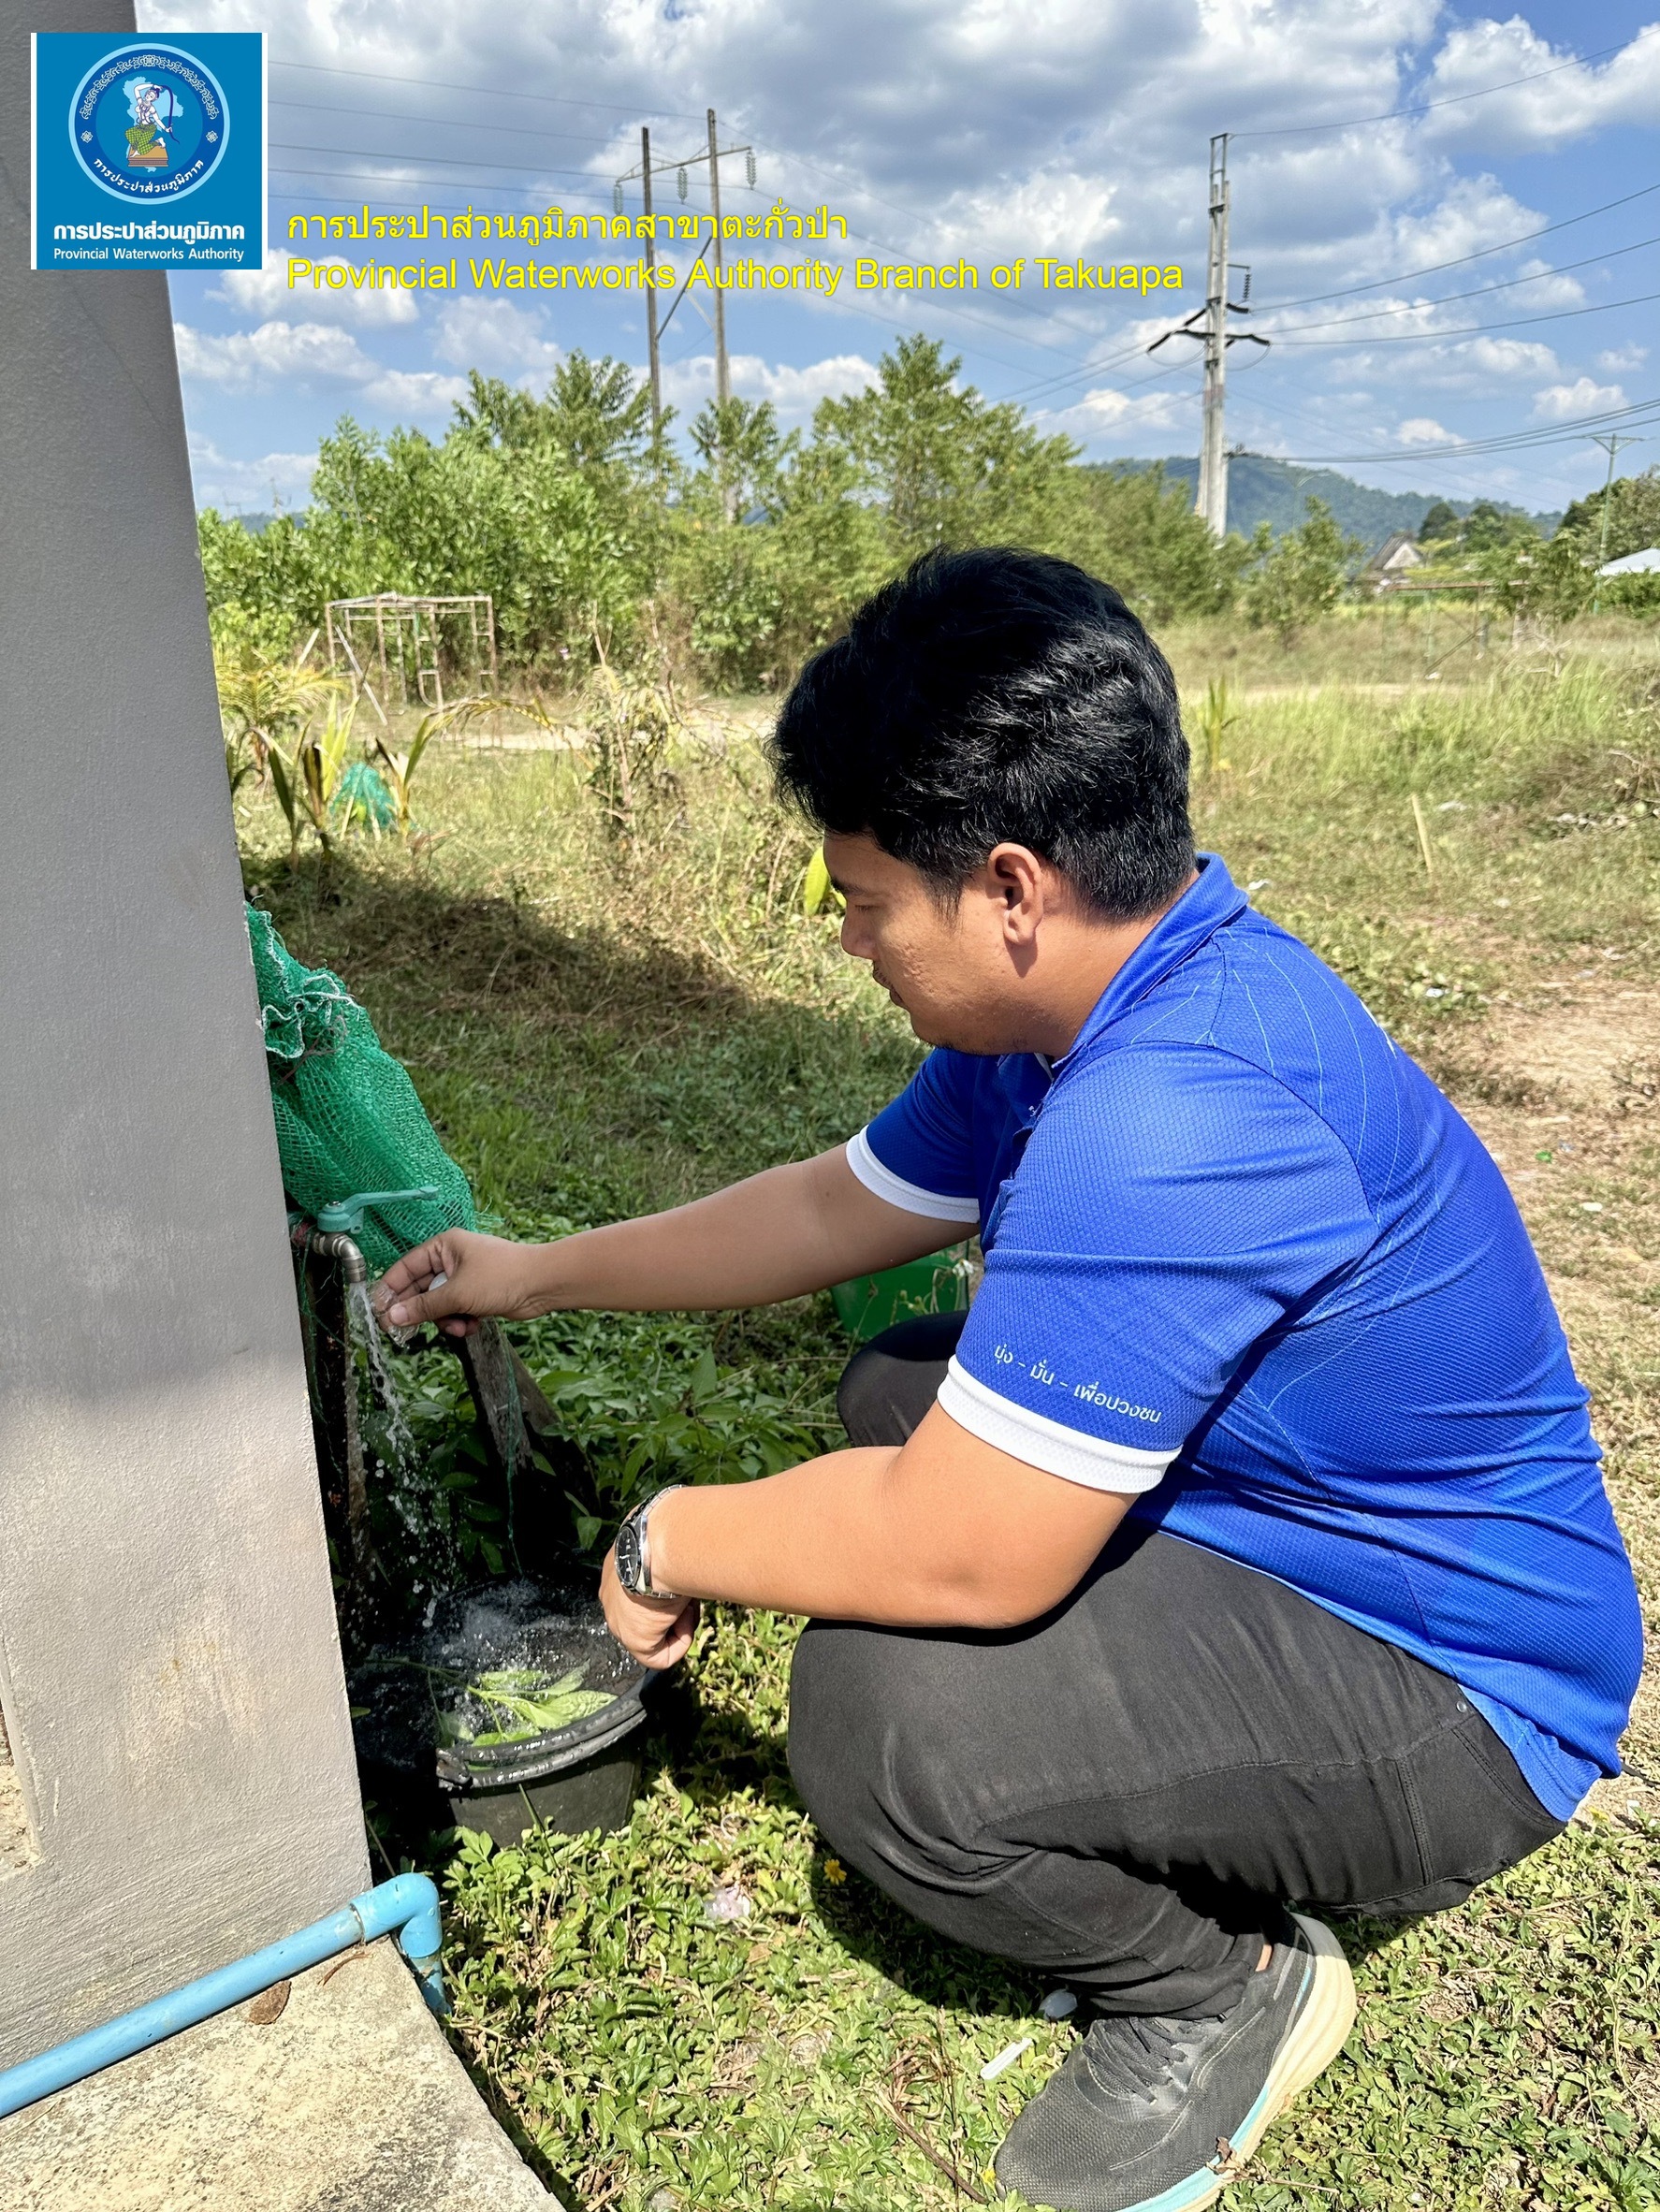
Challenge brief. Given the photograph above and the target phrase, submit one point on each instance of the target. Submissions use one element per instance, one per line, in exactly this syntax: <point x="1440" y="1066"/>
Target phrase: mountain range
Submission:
<point x="1274" y="491"/>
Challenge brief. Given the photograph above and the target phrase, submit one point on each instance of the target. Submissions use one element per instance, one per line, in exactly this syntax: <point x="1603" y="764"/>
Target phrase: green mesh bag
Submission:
<point x="347" y="1115"/>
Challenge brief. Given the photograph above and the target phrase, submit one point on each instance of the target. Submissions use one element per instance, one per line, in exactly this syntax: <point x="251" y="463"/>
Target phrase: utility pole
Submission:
<point x="656" y="326"/>
<point x="1212" y="459"/>
<point x="1209" y="324"/>
<point x="651" y="290"/>
<point x="1612" y="442"/>
<point x="723" y="376"/>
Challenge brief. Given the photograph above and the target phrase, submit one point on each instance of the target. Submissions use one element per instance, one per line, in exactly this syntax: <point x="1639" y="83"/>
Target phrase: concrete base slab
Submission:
<point x="351" y="2100"/>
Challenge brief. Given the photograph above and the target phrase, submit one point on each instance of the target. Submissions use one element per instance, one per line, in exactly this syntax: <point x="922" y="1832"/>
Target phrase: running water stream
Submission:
<point x="364" y="1327"/>
<point x="403" y="1476"/>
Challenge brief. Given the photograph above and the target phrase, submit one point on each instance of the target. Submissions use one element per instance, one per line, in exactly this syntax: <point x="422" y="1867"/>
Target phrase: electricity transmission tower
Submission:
<point x="712" y="154"/>
<point x="1209" y="324"/>
<point x="1611" y="441"/>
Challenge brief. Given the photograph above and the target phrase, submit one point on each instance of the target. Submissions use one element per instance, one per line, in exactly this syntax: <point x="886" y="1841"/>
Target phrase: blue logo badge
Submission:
<point x="151" y="124"/>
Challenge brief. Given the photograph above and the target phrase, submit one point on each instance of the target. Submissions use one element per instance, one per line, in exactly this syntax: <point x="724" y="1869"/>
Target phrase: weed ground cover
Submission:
<point x="704" y="2009"/>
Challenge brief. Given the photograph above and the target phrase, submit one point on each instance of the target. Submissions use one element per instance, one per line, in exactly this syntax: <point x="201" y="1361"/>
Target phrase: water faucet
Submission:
<point x="333" y="1235"/>
<point x="329" y="1245"/>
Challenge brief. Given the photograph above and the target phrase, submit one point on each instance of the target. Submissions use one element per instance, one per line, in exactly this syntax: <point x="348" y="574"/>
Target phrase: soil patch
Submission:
<point x="1566" y="1092"/>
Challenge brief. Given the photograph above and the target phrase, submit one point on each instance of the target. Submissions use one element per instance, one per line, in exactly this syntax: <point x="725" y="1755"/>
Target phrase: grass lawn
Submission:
<point x="598" y="1028"/>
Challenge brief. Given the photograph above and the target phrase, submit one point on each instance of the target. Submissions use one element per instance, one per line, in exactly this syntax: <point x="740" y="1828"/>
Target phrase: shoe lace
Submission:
<point x="1135" y="2053"/>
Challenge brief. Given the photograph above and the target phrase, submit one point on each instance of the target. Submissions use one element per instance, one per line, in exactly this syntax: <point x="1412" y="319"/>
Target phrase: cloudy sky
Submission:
<point x="1425" y="199"/>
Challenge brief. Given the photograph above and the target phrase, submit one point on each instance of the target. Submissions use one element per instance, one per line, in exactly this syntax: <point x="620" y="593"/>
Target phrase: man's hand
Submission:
<point x="656" y="1630"/>
<point x="780" y="1234"/>
<point x="457" y="1278"/>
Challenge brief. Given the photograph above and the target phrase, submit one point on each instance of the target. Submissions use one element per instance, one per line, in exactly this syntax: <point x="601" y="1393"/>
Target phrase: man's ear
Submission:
<point x="1016" y="876"/>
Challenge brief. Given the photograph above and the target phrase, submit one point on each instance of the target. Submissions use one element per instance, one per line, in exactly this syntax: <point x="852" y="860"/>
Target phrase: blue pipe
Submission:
<point x="408" y="1903"/>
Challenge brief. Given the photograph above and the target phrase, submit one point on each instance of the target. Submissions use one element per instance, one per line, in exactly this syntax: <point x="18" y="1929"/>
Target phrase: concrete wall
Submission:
<point x="169" y="1671"/>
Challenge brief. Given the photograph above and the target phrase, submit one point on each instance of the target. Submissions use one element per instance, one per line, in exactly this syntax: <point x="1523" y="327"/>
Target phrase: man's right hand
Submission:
<point x="779" y="1235"/>
<point x="457" y="1279"/>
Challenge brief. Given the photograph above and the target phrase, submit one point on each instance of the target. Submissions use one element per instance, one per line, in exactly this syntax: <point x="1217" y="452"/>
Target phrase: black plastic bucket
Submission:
<point x="415" y="1710"/>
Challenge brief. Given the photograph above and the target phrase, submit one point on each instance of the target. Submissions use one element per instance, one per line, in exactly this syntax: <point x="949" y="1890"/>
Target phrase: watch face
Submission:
<point x="628" y="1556"/>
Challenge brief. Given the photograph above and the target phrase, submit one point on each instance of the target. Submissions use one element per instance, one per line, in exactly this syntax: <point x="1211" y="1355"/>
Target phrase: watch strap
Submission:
<point x="640" y="1518"/>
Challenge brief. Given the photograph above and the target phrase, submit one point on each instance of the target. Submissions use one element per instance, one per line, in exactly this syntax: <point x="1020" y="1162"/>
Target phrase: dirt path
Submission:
<point x="1567" y="1094"/>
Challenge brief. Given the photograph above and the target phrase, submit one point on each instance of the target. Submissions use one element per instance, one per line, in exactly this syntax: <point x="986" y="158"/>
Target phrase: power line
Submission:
<point x="1300" y="130"/>
<point x="583" y="177"/>
<point x="440" y="161"/>
<point x="1480" y="291"/>
<point x="1510" y="441"/>
<point x="1308" y="300"/>
<point x="452" y="122"/>
<point x="1404" y="276"/>
<point x="1471" y="329"/>
<point x="1047" y="386"/>
<point x="490" y="91"/>
<point x="1284" y="414"/>
<point x="587" y="184"/>
<point x="397" y="206"/>
<point x="589" y="177"/>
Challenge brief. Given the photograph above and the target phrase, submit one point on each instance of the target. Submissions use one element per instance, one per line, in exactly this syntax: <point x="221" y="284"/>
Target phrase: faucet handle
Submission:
<point x="345" y="1215"/>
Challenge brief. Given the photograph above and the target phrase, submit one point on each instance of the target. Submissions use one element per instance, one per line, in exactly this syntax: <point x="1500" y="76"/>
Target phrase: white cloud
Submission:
<point x="1565" y="99"/>
<point x="1559" y="402"/>
<point x="405" y="391"/>
<point x="1335" y="224"/>
<point x="267" y="292"/>
<point x="276" y="352"/>
<point x="1510" y="357"/>
<point x="304" y="356"/>
<point x="1423" y="429"/>
<point x="794" y="392"/>
<point x="1546" y="288"/>
<point x="1622" y="357"/>
<point x="988" y="127"/>
<point x="1103" y="410"/>
<point x="1466" y="366"/>
<point x="482" y="330"/>
<point x="237" y="487"/>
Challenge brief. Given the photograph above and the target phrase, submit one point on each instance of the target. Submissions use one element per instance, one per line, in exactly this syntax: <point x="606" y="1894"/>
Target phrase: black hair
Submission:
<point x="998" y="695"/>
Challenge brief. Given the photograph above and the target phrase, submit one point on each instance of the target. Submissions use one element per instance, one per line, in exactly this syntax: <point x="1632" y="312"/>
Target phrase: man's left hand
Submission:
<point x="656" y="1630"/>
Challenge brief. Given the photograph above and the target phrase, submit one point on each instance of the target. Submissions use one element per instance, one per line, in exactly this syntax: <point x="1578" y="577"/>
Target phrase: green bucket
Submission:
<point x="870" y="1303"/>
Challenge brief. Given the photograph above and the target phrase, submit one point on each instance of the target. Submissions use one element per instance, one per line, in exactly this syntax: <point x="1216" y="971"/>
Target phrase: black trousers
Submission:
<point x="1124" y="1793"/>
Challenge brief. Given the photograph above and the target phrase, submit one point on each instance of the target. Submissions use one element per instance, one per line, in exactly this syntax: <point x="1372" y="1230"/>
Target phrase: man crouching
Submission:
<point x="1246" y="1545"/>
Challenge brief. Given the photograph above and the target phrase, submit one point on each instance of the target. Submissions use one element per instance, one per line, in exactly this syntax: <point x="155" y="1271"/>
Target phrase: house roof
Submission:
<point x="1398" y="551"/>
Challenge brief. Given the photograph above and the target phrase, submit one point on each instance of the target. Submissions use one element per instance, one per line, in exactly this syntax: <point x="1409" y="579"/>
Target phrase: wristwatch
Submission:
<point x="633" y="1555"/>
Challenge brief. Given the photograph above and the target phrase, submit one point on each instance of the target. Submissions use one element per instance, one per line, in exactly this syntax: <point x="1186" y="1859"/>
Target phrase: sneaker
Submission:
<point x="1160" y="2115"/>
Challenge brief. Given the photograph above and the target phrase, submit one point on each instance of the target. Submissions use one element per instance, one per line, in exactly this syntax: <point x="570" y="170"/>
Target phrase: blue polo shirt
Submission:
<point x="1244" y="1258"/>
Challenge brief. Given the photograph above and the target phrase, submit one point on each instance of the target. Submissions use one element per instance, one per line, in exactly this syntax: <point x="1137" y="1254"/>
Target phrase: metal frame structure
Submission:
<point x="1468" y="604"/>
<point x="400" y="640"/>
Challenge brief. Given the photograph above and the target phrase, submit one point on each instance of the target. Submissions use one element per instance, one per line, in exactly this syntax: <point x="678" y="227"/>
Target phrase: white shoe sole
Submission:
<point x="1319" y="2033"/>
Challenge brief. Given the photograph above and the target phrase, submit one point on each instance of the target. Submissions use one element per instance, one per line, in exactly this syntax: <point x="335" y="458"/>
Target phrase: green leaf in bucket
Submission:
<point x="525" y="1694"/>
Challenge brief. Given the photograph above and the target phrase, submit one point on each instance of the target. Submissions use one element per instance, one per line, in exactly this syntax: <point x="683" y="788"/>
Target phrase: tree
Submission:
<point x="593" y="415"/>
<point x="264" y="586"/>
<point x="1633" y="516"/>
<point x="1533" y="575"/>
<point x="947" y="467"/>
<point x="757" y="595"/>
<point x="1487" y="527"/>
<point x="740" y="446"/>
<point x="1140" y="532"/>
<point x="1298" y="578"/>
<point x="1440" y="522"/>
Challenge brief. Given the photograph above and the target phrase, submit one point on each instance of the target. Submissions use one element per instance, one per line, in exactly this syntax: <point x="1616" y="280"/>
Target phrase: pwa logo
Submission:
<point x="149" y="122"/>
